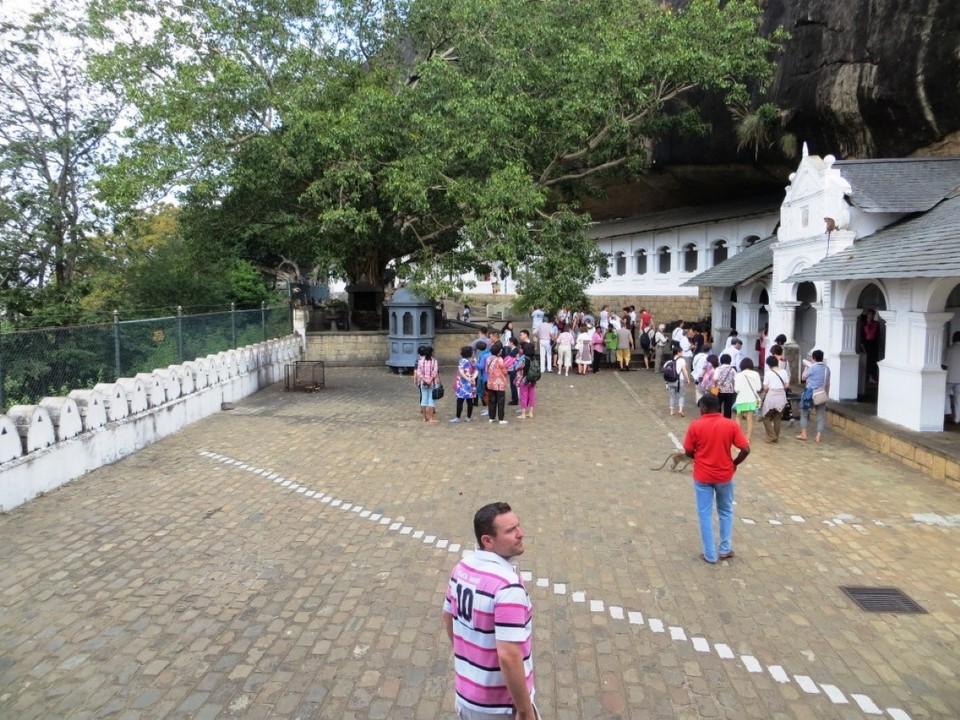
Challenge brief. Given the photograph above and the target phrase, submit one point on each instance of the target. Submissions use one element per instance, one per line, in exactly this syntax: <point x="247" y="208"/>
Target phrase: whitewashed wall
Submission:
<point x="46" y="445"/>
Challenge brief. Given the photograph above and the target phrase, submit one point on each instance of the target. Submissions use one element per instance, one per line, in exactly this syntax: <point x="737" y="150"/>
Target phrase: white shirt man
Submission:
<point x="536" y="319"/>
<point x="734" y="351"/>
<point x="544" y="335"/>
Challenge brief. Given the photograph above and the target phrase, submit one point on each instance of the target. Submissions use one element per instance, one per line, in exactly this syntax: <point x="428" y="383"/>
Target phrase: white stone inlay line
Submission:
<point x="833" y="692"/>
<point x="866" y="704"/>
<point x="778" y="674"/>
<point x="724" y="651"/>
<point x="526" y="575"/>
<point x="700" y="644"/>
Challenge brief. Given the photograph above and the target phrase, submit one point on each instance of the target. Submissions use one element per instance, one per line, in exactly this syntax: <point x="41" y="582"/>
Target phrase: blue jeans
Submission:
<point x="705" y="493"/>
<point x="426" y="396"/>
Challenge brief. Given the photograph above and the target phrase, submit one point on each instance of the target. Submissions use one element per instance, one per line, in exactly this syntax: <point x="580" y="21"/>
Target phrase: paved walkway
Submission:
<point x="287" y="559"/>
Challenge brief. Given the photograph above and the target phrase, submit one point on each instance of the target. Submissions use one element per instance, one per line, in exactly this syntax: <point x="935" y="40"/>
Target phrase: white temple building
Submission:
<point x="858" y="235"/>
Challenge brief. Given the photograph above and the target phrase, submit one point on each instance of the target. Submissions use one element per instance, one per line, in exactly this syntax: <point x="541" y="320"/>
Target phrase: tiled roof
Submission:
<point x="734" y="270"/>
<point x="926" y="245"/>
<point x="900" y="186"/>
<point x="679" y="217"/>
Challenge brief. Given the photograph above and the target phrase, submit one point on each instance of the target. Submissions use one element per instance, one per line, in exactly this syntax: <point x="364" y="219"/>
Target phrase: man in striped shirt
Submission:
<point x="488" y="617"/>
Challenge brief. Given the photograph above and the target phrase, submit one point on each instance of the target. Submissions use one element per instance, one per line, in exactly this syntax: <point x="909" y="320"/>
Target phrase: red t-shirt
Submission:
<point x="710" y="437"/>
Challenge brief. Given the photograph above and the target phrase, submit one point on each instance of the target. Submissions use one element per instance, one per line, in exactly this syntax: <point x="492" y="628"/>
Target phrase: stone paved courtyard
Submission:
<point x="287" y="559"/>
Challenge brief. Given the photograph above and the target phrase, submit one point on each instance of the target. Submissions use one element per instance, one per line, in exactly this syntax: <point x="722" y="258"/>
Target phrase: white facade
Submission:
<point x="918" y="314"/>
<point x="658" y="261"/>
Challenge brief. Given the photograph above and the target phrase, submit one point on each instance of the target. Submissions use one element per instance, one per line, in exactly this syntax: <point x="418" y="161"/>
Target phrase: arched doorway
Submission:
<point x="805" y="320"/>
<point x="763" y="324"/>
<point x="871" y="339"/>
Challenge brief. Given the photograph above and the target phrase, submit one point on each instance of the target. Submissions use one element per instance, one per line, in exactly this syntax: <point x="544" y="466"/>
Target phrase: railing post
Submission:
<point x="263" y="319"/>
<point x="116" y="344"/>
<point x="233" y="324"/>
<point x="180" y="332"/>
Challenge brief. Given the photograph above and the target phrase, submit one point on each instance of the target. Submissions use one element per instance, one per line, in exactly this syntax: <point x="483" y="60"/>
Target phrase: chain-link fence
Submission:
<point x="52" y="362"/>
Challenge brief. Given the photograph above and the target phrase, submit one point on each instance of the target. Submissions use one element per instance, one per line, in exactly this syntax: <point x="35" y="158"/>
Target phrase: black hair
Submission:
<point x="772" y="361"/>
<point x="528" y="349"/>
<point x="466" y="352"/>
<point x="712" y="359"/>
<point x="725" y="359"/>
<point x="746" y="364"/>
<point x="496" y="348"/>
<point x="709" y="402"/>
<point x="428" y="352"/>
<point x="780" y="339"/>
<point x="481" y="346"/>
<point x="776" y="350"/>
<point x="484" y="517"/>
<point x="817" y="355"/>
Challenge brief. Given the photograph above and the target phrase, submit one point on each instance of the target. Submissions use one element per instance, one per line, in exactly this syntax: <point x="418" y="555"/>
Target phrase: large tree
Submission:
<point x="55" y="128"/>
<point x="436" y="136"/>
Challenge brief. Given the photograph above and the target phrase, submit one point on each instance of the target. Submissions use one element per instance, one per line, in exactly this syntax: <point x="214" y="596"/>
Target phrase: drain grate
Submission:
<point x="882" y="600"/>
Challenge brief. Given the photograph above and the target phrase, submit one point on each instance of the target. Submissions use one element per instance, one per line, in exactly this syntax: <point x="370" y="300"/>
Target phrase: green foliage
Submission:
<point x="434" y="136"/>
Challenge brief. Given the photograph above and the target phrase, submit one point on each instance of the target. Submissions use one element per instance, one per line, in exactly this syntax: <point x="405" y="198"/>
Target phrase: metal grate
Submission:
<point x="882" y="600"/>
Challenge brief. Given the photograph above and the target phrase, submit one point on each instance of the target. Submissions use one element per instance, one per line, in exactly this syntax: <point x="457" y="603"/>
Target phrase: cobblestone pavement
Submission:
<point x="287" y="559"/>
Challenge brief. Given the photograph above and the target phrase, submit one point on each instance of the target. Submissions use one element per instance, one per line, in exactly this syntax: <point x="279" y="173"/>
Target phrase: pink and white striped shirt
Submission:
<point x="488" y="603"/>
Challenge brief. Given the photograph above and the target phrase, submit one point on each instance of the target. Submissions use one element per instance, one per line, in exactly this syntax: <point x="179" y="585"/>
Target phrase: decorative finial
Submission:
<point x="806" y="151"/>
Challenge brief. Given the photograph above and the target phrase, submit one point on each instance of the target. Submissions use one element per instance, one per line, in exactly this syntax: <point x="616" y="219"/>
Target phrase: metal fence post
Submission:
<point x="263" y="319"/>
<point x="116" y="344"/>
<point x="180" y="333"/>
<point x="233" y="325"/>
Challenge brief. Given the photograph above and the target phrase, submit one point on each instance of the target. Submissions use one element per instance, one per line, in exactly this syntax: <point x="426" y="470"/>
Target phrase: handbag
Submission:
<point x="438" y="391"/>
<point x="820" y="397"/>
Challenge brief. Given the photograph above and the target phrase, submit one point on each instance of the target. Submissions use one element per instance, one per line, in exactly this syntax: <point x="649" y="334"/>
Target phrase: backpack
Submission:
<point x="533" y="371"/>
<point x="670" y="372"/>
<point x="645" y="340"/>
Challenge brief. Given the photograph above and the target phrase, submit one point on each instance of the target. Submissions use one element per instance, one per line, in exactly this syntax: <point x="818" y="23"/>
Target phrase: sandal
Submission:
<point x="801" y="437"/>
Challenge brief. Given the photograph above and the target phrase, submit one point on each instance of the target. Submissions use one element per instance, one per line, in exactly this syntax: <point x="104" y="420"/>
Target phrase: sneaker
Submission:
<point x="454" y="420"/>
<point x="492" y="420"/>
<point x="485" y="413"/>
<point x="503" y="422"/>
<point x="468" y="419"/>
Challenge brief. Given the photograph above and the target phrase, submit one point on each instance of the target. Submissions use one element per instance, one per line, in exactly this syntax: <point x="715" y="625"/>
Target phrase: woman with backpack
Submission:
<point x="748" y="386"/>
<point x="676" y="377"/>
<point x="528" y="373"/>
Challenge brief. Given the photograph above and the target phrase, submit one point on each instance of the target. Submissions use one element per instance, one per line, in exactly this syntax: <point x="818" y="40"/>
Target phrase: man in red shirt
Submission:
<point x="708" y="442"/>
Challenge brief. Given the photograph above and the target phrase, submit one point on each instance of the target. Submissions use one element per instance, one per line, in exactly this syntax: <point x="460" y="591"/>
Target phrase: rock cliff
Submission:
<point x="862" y="79"/>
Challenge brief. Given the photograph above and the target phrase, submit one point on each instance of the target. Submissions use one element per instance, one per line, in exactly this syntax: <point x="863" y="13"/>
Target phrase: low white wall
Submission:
<point x="191" y="392"/>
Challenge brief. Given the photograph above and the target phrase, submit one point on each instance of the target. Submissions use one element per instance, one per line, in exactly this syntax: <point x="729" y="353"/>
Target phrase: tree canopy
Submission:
<point x="55" y="129"/>
<point x="426" y="138"/>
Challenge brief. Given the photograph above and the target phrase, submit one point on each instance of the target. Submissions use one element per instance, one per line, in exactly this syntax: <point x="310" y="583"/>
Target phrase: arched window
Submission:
<point x="690" y="258"/>
<point x="749" y="240"/>
<point x="408" y="323"/>
<point x="807" y="293"/>
<point x="641" y="258"/>
<point x="720" y="250"/>
<point x="620" y="263"/>
<point x="663" y="260"/>
<point x="603" y="267"/>
<point x="393" y="323"/>
<point x="423" y="324"/>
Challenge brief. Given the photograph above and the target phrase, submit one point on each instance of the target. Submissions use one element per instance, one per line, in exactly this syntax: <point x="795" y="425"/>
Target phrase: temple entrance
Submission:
<point x="871" y="340"/>
<point x="805" y="319"/>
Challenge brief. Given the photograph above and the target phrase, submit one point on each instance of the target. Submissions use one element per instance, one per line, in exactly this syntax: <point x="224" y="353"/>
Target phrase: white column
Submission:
<point x="748" y="328"/>
<point x="842" y="357"/>
<point x="721" y="319"/>
<point x="912" y="383"/>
